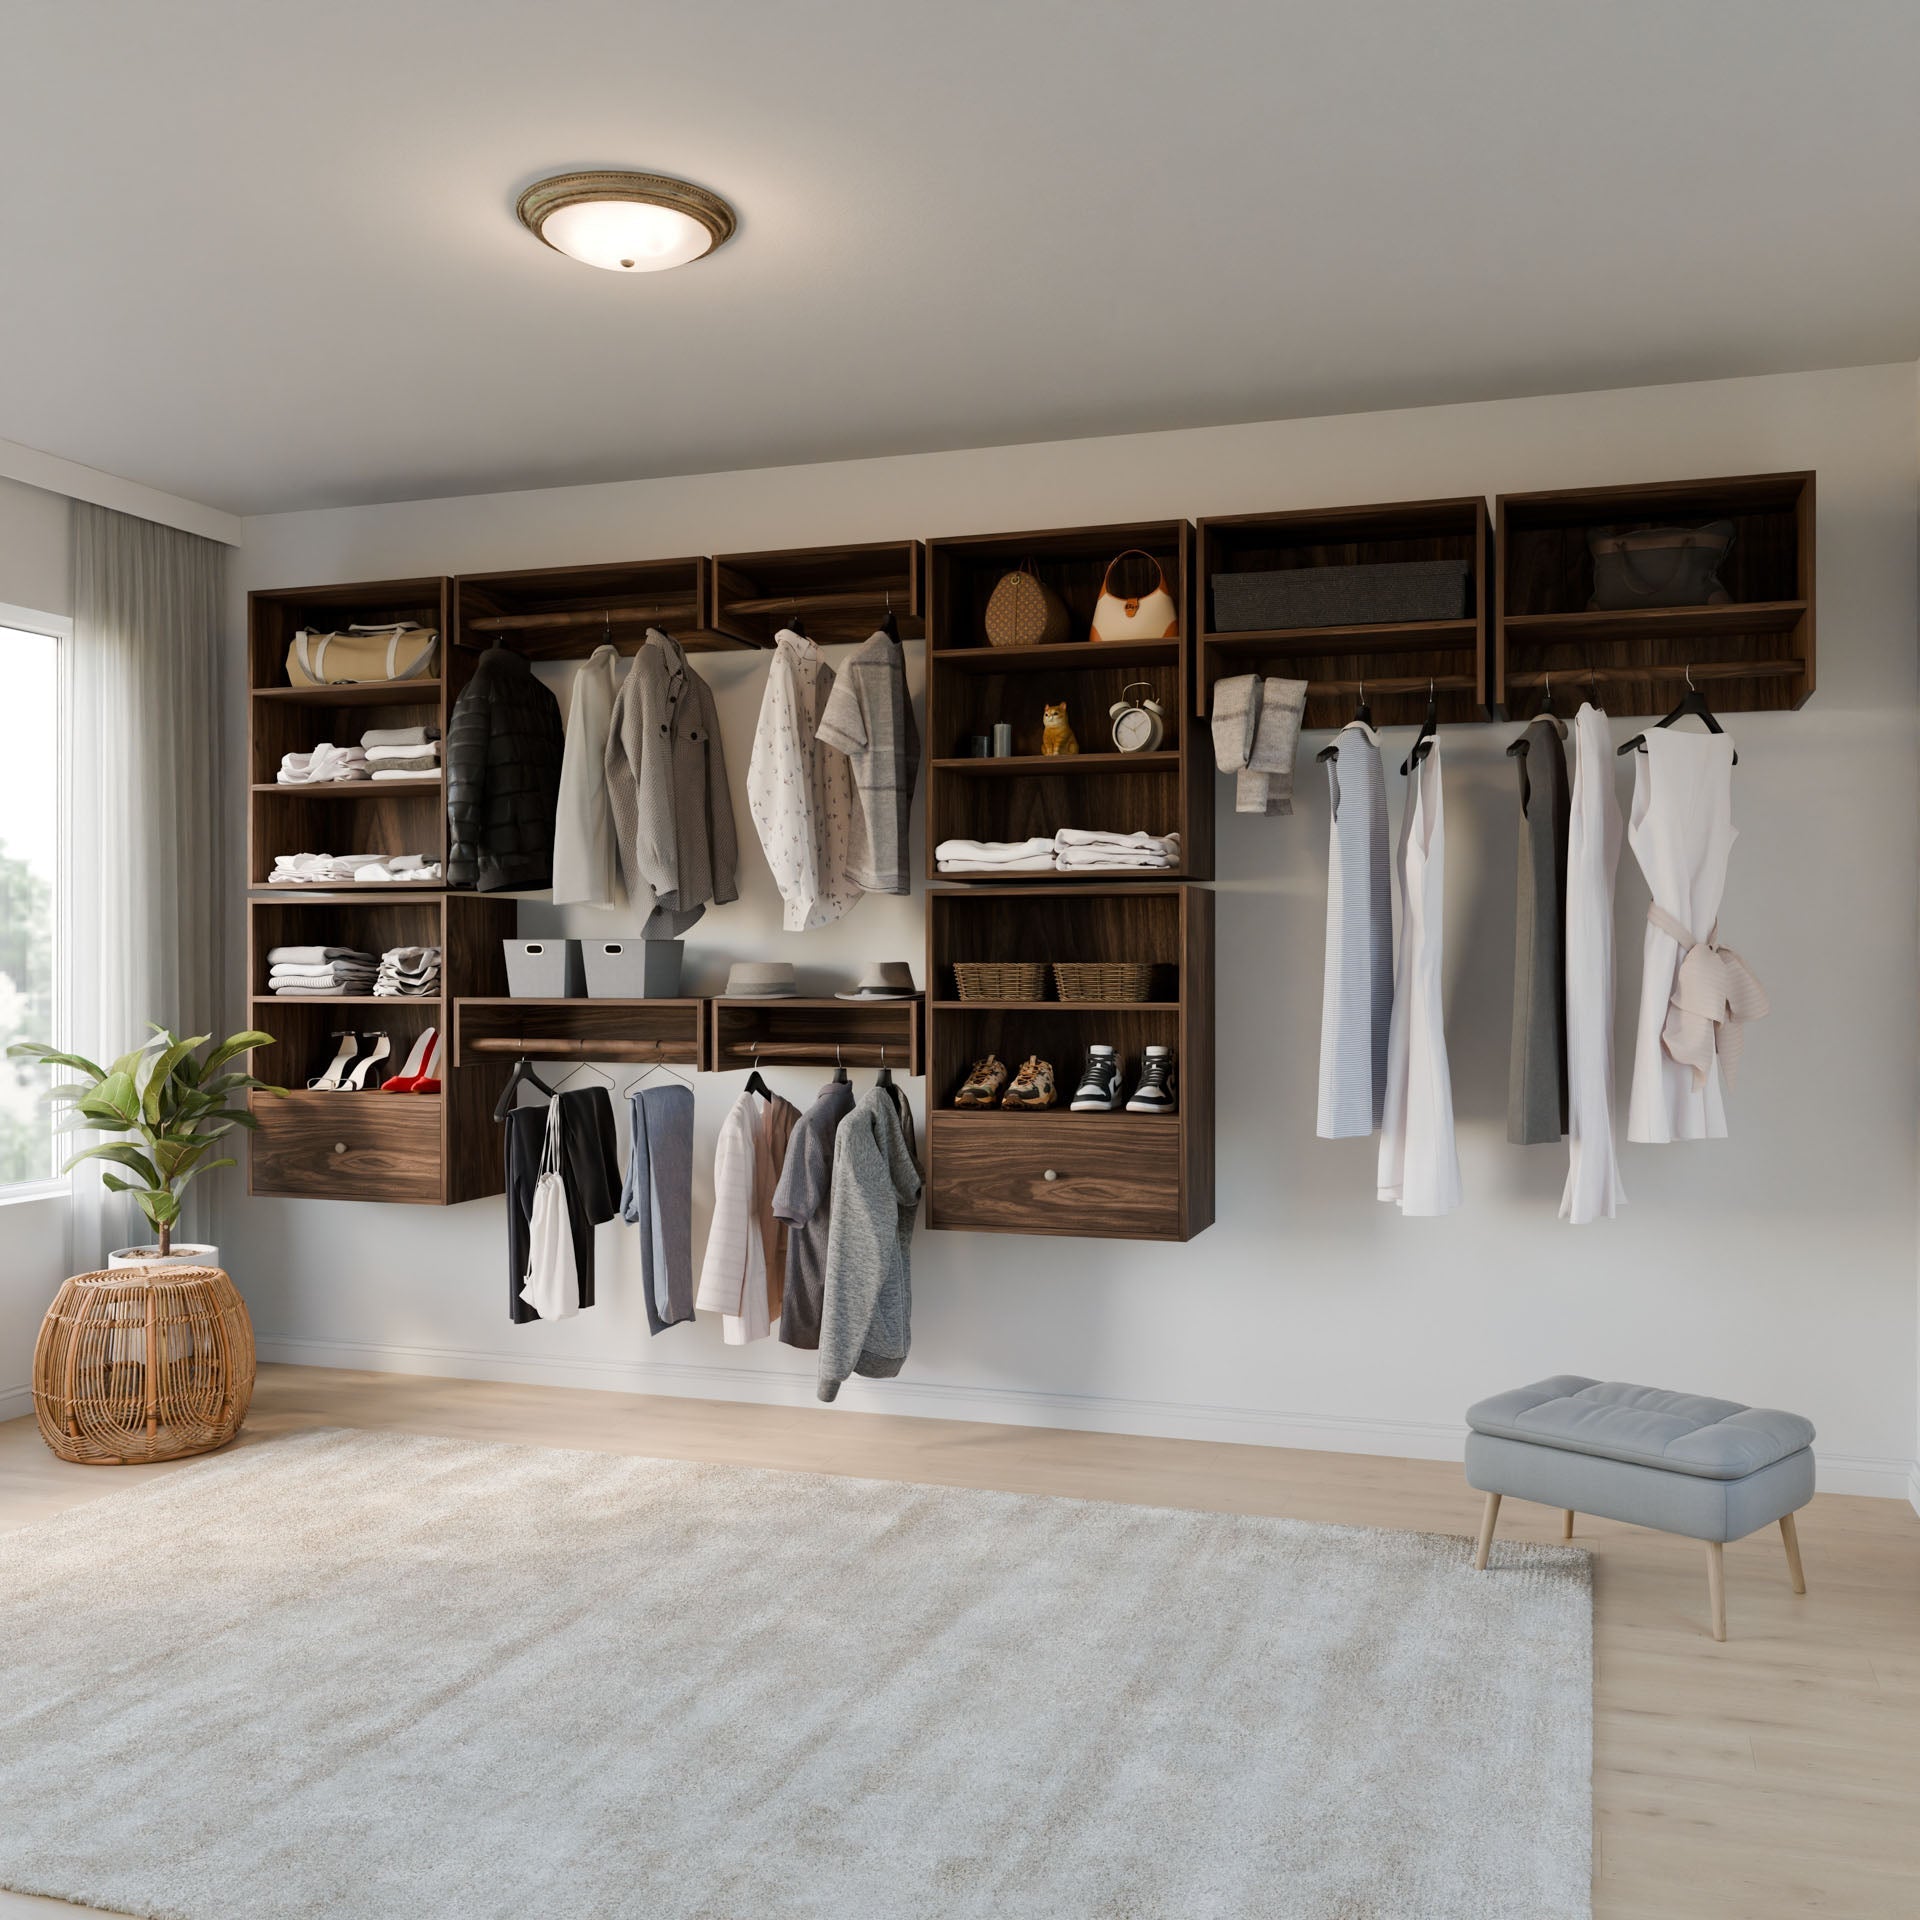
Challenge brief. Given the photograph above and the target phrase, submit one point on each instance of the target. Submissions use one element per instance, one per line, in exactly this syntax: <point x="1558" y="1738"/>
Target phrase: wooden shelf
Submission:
<point x="347" y="789"/>
<point x="1031" y="765"/>
<point x="840" y="592"/>
<point x="819" y="1033"/>
<point x="1069" y="653"/>
<point x="360" y="693"/>
<point x="1396" y="659"/>
<point x="1055" y="877"/>
<point x="1014" y="1118"/>
<point x="363" y="890"/>
<point x="1757" y="648"/>
<point x="1056" y="1006"/>
<point x="653" y="1032"/>
<point x="564" y="613"/>
<point x="347" y="999"/>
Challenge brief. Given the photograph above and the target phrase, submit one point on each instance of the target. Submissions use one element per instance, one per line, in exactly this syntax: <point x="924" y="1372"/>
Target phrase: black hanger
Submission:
<point x="1517" y="749"/>
<point x="1361" y="712"/>
<point x="884" y="1081"/>
<point x="1694" y="702"/>
<point x="754" y="1083"/>
<point x="795" y="624"/>
<point x="521" y="1076"/>
<point x="1429" y="728"/>
<point x="888" y="624"/>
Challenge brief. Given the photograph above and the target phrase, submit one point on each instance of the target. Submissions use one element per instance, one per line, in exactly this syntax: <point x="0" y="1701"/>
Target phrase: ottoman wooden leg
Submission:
<point x="1791" y="1535"/>
<point x="1717" y="1587"/>
<point x="1486" y="1530"/>
<point x="1566" y="1525"/>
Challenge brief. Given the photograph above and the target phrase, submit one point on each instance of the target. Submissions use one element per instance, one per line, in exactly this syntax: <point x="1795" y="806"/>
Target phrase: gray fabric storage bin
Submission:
<point x="544" y="969"/>
<point x="633" y="969"/>
<point x="1377" y="591"/>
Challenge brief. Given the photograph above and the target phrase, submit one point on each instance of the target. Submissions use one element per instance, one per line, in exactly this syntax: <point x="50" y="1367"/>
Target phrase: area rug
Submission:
<point x="391" y="1678"/>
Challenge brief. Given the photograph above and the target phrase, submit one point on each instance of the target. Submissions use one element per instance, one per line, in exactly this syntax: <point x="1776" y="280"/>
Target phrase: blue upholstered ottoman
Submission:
<point x="1712" y="1469"/>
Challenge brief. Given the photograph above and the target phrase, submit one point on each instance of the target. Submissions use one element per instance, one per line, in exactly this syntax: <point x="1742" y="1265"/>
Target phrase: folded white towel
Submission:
<point x="420" y="750"/>
<point x="315" y="956"/>
<point x="991" y="851"/>
<point x="1070" y="837"/>
<point x="1039" y="863"/>
<point x="398" y="737"/>
<point x="392" y="870"/>
<point x="326" y="763"/>
<point x="1114" y="862"/>
<point x="406" y="773"/>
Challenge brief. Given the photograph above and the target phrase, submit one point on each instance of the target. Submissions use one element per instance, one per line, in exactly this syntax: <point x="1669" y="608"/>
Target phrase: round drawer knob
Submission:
<point x="339" y="1146"/>
<point x="1050" y="1175"/>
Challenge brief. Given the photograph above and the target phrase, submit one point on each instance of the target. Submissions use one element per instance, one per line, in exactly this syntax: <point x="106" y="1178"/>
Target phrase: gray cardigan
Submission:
<point x="667" y="785"/>
<point x="869" y="718"/>
<point x="866" y="1310"/>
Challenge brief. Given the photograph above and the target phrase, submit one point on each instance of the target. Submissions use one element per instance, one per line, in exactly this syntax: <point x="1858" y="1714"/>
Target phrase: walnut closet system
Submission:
<point x="1118" y="1175"/>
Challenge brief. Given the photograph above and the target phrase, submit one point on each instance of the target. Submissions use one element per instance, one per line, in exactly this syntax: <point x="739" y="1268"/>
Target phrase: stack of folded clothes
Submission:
<point x="324" y="971"/>
<point x="324" y="764"/>
<point x="397" y="866"/>
<point x="408" y="971"/>
<point x="403" y="753"/>
<point x="330" y="869"/>
<point x="994" y="856"/>
<point x="1077" y="850"/>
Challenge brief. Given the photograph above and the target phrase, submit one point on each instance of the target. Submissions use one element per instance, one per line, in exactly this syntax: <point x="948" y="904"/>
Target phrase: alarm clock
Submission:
<point x="1139" y="720"/>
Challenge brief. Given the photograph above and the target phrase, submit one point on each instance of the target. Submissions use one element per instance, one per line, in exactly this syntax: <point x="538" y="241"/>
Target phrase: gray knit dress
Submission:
<point x="1537" y="1064"/>
<point x="1356" y="1004"/>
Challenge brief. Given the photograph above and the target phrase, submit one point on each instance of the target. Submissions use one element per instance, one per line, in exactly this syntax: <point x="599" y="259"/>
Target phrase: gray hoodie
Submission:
<point x="867" y="1308"/>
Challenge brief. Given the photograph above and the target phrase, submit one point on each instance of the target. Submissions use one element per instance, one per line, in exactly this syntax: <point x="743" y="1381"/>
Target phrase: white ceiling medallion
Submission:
<point x="626" y="222"/>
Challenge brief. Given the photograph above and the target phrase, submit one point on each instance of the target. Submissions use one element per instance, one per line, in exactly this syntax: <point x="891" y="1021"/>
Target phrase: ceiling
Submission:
<point x="265" y="256"/>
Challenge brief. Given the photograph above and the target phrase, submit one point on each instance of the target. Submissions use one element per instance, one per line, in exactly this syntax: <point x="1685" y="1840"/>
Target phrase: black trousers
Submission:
<point x="589" y="1165"/>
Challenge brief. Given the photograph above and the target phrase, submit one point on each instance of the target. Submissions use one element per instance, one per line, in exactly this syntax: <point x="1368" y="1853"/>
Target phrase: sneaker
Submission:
<point x="983" y="1085"/>
<point x="1032" y="1085"/>
<point x="1154" y="1094"/>
<point x="1099" y="1088"/>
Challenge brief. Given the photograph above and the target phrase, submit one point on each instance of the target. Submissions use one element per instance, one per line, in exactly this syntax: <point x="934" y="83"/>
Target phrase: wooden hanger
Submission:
<point x="522" y="1075"/>
<point x="1694" y="702"/>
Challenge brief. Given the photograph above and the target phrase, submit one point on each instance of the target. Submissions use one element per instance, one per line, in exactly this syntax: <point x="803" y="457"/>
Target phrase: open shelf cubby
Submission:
<point x="1753" y="651"/>
<point x="1102" y="1175"/>
<point x="650" y="1032"/>
<point x="563" y="613"/>
<point x="1396" y="661"/>
<point x="971" y="685"/>
<point x="817" y="1033"/>
<point x="840" y="592"/>
<point x="414" y="1148"/>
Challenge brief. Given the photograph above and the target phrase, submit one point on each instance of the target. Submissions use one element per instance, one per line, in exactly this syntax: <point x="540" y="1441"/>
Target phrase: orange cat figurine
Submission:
<point x="1056" y="734"/>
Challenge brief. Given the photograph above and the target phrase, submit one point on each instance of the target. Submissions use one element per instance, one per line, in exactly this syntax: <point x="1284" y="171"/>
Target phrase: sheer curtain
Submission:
<point x="143" y="813"/>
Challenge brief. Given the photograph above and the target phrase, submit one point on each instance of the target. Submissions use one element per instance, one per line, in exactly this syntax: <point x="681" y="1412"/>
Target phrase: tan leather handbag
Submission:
<point x="1023" y="611"/>
<point x="1148" y="616"/>
<point x="361" y="654"/>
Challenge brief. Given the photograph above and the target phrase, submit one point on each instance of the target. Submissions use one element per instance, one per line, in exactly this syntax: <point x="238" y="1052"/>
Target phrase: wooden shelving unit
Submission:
<point x="653" y="1032"/>
<point x="1755" y="651"/>
<point x="817" y="1033"/>
<point x="971" y="685"/>
<point x="1098" y="1175"/>
<point x="1396" y="661"/>
<point x="412" y="1148"/>
<point x="840" y="592"/>
<point x="561" y="613"/>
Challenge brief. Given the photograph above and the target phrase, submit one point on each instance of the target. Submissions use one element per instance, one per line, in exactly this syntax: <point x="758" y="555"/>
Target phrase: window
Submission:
<point x="30" y="646"/>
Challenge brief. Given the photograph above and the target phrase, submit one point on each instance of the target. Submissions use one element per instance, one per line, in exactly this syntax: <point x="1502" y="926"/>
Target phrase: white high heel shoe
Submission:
<point x="330" y="1080"/>
<point x="356" y="1080"/>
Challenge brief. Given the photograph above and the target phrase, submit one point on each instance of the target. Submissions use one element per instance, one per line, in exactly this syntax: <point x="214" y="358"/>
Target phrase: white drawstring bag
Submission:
<point x="552" y="1284"/>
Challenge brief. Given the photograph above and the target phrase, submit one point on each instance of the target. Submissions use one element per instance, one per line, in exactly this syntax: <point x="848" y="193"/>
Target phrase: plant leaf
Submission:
<point x="124" y="1155"/>
<point x="160" y="1071"/>
<point x="53" y="1057"/>
<point x="236" y="1044"/>
<point x="114" y="1098"/>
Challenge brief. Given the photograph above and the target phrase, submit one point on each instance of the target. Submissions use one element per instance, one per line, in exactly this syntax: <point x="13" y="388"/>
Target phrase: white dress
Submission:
<point x="1682" y="833"/>
<point x="1593" y="1188"/>
<point x="800" y="791"/>
<point x="586" y="869"/>
<point x="1419" y="1166"/>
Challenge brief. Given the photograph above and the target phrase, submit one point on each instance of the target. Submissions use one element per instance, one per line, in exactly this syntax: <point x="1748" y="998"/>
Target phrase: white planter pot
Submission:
<point x="183" y="1254"/>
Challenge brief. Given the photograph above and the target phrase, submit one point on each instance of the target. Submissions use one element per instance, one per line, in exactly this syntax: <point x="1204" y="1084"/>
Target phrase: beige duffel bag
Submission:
<point x="399" y="652"/>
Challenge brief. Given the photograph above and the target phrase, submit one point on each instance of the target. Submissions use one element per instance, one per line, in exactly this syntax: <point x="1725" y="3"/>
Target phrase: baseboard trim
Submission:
<point x="15" y="1402"/>
<point x="1913" y="1486"/>
<point x="995" y="1406"/>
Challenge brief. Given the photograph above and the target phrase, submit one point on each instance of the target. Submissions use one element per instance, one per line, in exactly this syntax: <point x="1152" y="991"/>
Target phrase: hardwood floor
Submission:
<point x="1773" y="1775"/>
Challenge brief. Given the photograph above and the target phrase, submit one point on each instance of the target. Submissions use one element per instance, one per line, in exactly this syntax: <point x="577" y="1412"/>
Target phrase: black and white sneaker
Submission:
<point x="1099" y="1088"/>
<point x="1154" y="1094"/>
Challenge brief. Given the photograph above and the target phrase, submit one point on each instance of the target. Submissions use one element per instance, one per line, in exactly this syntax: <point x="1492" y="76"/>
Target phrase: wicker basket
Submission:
<point x="1102" y="980"/>
<point x="143" y="1364"/>
<point x="1000" y="979"/>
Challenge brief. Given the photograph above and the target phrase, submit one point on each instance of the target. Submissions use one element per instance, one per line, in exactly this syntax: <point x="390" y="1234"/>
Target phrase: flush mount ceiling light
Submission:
<point x="625" y="222"/>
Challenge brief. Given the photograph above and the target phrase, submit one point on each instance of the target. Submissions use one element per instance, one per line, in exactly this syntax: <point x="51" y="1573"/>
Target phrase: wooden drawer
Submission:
<point x="1103" y="1175"/>
<point x="349" y="1146"/>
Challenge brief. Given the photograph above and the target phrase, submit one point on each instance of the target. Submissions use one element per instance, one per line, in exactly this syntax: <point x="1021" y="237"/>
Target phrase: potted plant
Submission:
<point x="171" y="1106"/>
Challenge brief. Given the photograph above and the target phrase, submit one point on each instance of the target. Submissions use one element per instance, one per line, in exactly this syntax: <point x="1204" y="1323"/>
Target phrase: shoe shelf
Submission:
<point x="972" y="685"/>
<point x="1102" y="1175"/>
<point x="638" y="1032"/>
<point x="1753" y="651"/>
<point x="564" y="613"/>
<point x="840" y="593"/>
<point x="1397" y="661"/>
<point x="412" y="1148"/>
<point x="817" y="1033"/>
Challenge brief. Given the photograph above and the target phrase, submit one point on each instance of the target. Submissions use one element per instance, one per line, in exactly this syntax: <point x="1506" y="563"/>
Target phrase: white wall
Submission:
<point x="1778" y="1266"/>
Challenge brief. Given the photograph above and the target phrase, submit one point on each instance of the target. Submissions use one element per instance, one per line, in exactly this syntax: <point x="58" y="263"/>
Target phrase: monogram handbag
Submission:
<point x="361" y="654"/>
<point x="1023" y="611"/>
<point x="1147" y="616"/>
<point x="1660" y="567"/>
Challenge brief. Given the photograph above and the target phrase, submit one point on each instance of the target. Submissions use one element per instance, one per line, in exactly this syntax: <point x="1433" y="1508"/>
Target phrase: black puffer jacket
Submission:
<point x="503" y="777"/>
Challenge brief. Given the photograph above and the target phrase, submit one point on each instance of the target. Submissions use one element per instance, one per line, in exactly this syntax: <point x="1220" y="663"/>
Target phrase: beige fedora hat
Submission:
<point x="760" y="980"/>
<point x="882" y="980"/>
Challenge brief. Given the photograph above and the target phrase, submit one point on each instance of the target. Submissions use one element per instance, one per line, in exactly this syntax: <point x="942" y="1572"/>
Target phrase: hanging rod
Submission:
<point x="652" y="611"/>
<point x="540" y="1047"/>
<point x="815" y="602"/>
<point x="1402" y="683"/>
<point x="1700" y="670"/>
<point x="822" y="1053"/>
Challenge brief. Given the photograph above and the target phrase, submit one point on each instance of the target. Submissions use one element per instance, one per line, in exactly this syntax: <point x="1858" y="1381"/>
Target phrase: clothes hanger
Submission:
<point x="754" y="1082"/>
<point x="840" y="1078"/>
<point x="1361" y="713"/>
<point x="1693" y="701"/>
<point x="888" y="624"/>
<point x="522" y="1075"/>
<point x="1517" y="749"/>
<point x="1429" y="730"/>
<point x="659" y="1066"/>
<point x="795" y="624"/>
<point x="586" y="1066"/>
